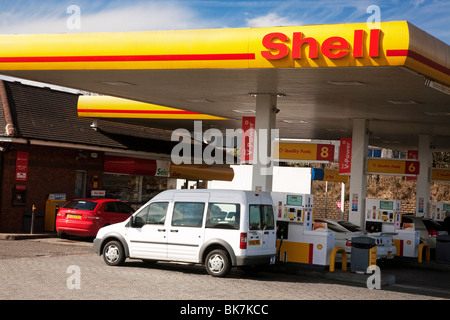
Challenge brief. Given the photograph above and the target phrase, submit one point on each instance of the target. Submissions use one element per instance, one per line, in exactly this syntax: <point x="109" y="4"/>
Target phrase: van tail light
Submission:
<point x="348" y="243"/>
<point x="432" y="232"/>
<point x="243" y="241"/>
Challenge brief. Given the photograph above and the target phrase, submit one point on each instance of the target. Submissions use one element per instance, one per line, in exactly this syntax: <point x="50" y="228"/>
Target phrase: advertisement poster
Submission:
<point x="248" y="139"/>
<point x="22" y="166"/>
<point x="345" y="156"/>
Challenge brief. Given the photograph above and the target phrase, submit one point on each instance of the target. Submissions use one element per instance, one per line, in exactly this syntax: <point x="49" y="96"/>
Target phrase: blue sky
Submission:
<point x="50" y="16"/>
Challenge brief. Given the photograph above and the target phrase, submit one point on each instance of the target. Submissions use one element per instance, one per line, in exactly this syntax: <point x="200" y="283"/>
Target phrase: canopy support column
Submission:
<point x="423" y="178"/>
<point x="358" y="181"/>
<point x="266" y="109"/>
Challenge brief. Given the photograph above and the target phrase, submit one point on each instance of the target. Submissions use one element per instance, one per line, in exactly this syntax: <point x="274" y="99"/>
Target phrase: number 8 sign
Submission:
<point x="325" y="152"/>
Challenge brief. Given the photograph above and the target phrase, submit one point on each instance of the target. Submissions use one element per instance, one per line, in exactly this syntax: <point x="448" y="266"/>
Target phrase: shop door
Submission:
<point x="80" y="184"/>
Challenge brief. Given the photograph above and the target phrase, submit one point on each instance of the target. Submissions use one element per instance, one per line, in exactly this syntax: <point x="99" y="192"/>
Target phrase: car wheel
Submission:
<point x="218" y="263"/>
<point x="113" y="253"/>
<point x="63" y="235"/>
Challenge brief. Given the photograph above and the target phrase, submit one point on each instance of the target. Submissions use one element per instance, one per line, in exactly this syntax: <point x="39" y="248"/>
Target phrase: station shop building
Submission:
<point x="47" y="150"/>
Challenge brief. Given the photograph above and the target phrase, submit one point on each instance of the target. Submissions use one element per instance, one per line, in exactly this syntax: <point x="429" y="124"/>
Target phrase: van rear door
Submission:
<point x="261" y="238"/>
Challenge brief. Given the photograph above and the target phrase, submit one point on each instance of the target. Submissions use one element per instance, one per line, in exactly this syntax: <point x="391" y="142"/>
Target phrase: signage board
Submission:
<point x="440" y="174"/>
<point x="22" y="166"/>
<point x="345" y="156"/>
<point x="248" y="139"/>
<point x="393" y="166"/>
<point x="303" y="152"/>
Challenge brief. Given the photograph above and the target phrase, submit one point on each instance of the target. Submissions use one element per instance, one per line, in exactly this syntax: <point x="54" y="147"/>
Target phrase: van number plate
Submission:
<point x="254" y="242"/>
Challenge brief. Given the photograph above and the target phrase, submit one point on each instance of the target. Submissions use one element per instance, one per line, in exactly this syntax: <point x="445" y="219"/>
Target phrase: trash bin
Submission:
<point x="38" y="221"/>
<point x="363" y="254"/>
<point x="443" y="249"/>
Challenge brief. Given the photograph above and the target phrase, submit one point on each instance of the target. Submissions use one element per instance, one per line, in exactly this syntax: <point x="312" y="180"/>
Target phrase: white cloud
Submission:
<point x="137" y="17"/>
<point x="270" y="20"/>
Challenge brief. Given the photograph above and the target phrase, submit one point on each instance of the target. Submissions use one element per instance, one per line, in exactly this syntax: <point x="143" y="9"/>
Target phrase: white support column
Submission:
<point x="266" y="107"/>
<point x="423" y="178"/>
<point x="358" y="181"/>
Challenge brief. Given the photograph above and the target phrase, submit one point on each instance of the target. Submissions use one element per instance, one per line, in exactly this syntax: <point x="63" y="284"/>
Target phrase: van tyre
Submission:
<point x="218" y="263"/>
<point x="113" y="253"/>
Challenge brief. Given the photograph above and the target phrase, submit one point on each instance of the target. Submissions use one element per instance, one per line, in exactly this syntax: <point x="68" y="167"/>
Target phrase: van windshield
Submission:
<point x="261" y="217"/>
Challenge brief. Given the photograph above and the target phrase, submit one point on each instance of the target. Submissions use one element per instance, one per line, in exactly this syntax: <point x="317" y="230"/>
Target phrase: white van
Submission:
<point x="218" y="228"/>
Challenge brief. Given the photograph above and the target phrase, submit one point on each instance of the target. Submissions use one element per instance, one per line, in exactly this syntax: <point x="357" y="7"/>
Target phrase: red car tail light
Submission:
<point x="432" y="232"/>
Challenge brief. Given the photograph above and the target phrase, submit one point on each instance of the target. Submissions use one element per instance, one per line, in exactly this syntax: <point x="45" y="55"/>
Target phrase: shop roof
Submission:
<point x="50" y="115"/>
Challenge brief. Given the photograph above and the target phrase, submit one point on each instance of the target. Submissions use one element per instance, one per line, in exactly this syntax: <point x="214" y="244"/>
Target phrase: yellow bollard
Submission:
<point x="427" y="253"/>
<point x="33" y="214"/>
<point x="333" y="258"/>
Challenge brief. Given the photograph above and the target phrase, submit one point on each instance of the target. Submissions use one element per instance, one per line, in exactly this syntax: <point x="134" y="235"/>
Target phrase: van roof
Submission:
<point x="168" y="194"/>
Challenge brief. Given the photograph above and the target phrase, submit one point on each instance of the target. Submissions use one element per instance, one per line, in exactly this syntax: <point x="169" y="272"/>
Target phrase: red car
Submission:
<point x="84" y="217"/>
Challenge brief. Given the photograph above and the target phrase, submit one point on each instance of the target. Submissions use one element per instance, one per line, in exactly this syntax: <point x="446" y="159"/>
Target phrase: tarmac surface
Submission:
<point x="36" y="269"/>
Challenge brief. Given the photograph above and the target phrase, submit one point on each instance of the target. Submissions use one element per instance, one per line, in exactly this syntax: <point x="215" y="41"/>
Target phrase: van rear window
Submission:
<point x="261" y="217"/>
<point x="223" y="216"/>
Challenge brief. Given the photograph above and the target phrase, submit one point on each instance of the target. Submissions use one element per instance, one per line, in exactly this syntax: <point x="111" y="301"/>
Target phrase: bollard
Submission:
<point x="56" y="214"/>
<point x="333" y="258"/>
<point x="33" y="213"/>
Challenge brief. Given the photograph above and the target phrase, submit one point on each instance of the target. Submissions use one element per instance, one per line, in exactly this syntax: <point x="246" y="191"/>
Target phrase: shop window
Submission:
<point x="133" y="188"/>
<point x="80" y="184"/>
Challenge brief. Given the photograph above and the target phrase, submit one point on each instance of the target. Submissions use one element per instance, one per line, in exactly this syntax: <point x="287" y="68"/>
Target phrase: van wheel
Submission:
<point x="217" y="263"/>
<point x="149" y="263"/>
<point x="113" y="253"/>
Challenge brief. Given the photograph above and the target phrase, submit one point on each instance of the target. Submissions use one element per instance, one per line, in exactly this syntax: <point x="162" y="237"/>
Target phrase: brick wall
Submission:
<point x="50" y="170"/>
<point x="380" y="188"/>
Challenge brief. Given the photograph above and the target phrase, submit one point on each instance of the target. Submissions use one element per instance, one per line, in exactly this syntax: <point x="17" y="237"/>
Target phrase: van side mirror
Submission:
<point x="136" y="222"/>
<point x="133" y="221"/>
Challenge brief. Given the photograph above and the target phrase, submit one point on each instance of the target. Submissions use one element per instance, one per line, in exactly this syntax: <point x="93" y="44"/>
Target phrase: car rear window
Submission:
<point x="333" y="227"/>
<point x="81" y="205"/>
<point x="350" y="226"/>
<point x="430" y="224"/>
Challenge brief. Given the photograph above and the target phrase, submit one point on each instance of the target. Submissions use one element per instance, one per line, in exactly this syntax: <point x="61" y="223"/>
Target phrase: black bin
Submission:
<point x="38" y="221"/>
<point x="362" y="254"/>
<point x="443" y="249"/>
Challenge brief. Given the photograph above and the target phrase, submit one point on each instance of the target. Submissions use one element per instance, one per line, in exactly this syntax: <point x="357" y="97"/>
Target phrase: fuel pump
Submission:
<point x="438" y="210"/>
<point x="294" y="207"/>
<point x="297" y="242"/>
<point x="384" y="216"/>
